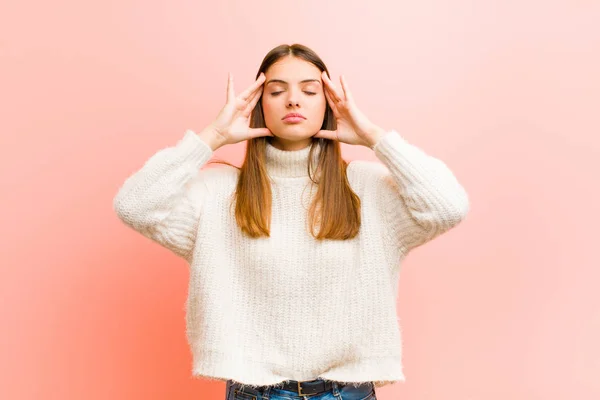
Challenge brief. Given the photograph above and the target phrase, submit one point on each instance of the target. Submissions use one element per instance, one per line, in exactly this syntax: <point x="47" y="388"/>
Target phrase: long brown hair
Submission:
<point x="335" y="208"/>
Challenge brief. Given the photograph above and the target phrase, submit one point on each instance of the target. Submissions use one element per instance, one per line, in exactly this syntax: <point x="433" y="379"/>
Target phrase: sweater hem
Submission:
<point x="217" y="366"/>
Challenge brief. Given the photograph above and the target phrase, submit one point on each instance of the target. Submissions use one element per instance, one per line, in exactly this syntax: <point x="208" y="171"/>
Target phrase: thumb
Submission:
<point x="326" y="134"/>
<point x="258" y="132"/>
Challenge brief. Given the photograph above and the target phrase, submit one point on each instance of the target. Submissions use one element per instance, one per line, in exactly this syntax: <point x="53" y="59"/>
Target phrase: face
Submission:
<point x="293" y="85"/>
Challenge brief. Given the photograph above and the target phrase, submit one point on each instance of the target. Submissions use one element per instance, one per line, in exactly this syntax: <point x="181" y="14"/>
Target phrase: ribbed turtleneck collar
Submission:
<point x="289" y="163"/>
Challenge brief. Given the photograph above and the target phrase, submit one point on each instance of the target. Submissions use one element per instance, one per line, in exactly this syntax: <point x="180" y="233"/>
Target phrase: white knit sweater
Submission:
<point x="262" y="311"/>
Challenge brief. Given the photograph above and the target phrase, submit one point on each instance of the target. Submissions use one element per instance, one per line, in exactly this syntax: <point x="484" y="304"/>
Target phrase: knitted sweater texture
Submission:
<point x="266" y="310"/>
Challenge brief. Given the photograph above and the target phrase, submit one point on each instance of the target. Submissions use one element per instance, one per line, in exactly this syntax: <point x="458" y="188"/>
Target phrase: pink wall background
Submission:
<point x="506" y="306"/>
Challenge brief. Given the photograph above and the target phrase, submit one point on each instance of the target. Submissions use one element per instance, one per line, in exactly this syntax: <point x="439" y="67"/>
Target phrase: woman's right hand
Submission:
<point x="232" y="124"/>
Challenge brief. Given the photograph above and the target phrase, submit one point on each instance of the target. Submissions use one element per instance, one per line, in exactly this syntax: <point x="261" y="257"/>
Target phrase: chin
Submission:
<point x="294" y="134"/>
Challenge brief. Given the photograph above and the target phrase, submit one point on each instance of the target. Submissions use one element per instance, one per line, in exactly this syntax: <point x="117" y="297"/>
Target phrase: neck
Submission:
<point x="289" y="163"/>
<point x="290" y="145"/>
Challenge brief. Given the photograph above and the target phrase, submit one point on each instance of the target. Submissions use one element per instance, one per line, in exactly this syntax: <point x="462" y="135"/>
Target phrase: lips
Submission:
<point x="294" y="116"/>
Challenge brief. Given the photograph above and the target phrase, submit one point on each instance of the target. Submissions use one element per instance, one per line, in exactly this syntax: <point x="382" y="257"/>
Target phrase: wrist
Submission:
<point x="211" y="138"/>
<point x="374" y="136"/>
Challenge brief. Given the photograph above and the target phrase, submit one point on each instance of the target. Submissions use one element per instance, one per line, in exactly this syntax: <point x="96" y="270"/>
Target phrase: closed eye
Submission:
<point x="277" y="93"/>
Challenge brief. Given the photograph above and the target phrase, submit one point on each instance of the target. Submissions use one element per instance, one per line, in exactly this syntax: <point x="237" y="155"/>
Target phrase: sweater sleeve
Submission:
<point x="420" y="196"/>
<point x="162" y="200"/>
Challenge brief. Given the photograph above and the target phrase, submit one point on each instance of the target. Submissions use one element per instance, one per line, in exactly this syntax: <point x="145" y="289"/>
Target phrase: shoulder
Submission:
<point x="371" y="178"/>
<point x="213" y="178"/>
<point x="361" y="170"/>
<point x="217" y="172"/>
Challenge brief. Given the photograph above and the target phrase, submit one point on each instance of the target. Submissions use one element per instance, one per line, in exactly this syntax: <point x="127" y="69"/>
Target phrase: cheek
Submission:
<point x="269" y="109"/>
<point x="320" y="105"/>
<point x="323" y="102"/>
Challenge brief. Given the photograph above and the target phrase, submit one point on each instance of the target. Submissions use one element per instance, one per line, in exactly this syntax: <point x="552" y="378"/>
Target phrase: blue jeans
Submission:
<point x="339" y="391"/>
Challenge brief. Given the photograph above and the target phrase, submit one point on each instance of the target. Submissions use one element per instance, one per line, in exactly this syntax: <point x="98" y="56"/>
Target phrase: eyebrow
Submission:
<point x="284" y="82"/>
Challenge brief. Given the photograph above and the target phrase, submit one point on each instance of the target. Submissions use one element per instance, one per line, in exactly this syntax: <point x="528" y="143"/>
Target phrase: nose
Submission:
<point x="292" y="100"/>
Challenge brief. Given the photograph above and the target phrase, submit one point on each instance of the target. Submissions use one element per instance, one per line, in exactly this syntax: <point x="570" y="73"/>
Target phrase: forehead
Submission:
<point x="293" y="70"/>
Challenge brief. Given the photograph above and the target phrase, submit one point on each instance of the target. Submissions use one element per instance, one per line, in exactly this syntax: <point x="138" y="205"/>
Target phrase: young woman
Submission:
<point x="294" y="257"/>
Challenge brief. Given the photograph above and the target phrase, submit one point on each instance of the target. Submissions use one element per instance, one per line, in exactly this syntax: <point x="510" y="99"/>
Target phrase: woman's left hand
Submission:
<point x="353" y="127"/>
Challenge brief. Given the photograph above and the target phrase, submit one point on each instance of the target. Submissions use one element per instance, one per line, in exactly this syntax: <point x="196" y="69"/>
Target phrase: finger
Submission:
<point x="251" y="96"/>
<point x="332" y="105"/>
<point x="230" y="91"/>
<point x="335" y="96"/>
<point x="244" y="104"/>
<point x="346" y="89"/>
<point x="326" y="134"/>
<point x="257" y="83"/>
<point x="327" y="80"/>
<point x="253" y="100"/>
<point x="331" y="88"/>
<point x="258" y="132"/>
